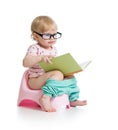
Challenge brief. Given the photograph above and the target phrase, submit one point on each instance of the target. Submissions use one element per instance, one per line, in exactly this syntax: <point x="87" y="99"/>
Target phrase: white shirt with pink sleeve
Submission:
<point x="36" y="50"/>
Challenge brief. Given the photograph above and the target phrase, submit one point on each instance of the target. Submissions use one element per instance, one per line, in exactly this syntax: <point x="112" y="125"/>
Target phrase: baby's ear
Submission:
<point x="34" y="36"/>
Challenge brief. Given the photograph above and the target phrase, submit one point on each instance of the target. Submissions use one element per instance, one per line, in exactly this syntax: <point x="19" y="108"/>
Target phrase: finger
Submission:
<point x="49" y="61"/>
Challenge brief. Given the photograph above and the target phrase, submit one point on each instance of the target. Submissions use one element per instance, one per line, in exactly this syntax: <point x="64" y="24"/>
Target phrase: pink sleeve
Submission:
<point x="32" y="50"/>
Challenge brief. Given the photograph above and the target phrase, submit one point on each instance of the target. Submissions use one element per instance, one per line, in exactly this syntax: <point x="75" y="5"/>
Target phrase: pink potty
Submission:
<point x="30" y="98"/>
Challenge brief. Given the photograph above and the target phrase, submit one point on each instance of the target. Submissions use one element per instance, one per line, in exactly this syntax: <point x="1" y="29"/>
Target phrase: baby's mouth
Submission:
<point x="51" y="42"/>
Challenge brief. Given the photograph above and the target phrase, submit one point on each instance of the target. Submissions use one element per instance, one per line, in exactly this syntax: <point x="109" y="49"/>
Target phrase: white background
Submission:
<point x="90" y="32"/>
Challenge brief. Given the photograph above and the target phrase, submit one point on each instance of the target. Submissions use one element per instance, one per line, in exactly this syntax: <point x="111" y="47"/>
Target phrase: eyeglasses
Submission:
<point x="48" y="36"/>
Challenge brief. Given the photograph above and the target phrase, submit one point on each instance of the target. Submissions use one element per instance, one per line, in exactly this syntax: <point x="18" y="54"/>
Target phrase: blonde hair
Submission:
<point x="42" y="24"/>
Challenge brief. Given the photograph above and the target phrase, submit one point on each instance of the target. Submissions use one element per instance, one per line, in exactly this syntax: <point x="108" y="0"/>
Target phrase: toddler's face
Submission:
<point x="47" y="39"/>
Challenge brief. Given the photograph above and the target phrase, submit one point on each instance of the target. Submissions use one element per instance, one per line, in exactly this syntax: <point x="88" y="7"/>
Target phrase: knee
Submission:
<point x="58" y="75"/>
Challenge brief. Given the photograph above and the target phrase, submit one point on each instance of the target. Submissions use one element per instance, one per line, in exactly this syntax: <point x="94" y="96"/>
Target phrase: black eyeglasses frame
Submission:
<point x="50" y="35"/>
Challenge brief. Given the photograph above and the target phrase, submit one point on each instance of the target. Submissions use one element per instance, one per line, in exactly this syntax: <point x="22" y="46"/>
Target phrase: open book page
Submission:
<point x="85" y="64"/>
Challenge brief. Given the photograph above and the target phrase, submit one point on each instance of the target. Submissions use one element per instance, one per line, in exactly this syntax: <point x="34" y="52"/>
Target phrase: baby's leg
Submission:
<point x="38" y="83"/>
<point x="74" y="95"/>
<point x="46" y="104"/>
<point x="78" y="103"/>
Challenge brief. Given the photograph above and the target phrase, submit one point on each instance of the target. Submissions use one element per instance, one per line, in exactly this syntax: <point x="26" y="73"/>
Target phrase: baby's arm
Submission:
<point x="32" y="57"/>
<point x="30" y="60"/>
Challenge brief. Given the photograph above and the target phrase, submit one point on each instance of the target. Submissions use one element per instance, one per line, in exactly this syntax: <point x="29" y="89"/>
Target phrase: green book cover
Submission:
<point x="64" y="63"/>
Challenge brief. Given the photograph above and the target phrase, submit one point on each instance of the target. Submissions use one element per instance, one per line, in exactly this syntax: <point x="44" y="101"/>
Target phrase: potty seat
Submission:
<point x="30" y="98"/>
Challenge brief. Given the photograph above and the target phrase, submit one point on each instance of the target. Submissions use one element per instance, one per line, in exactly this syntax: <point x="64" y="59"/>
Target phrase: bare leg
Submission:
<point x="46" y="104"/>
<point x="38" y="83"/>
<point x="78" y="103"/>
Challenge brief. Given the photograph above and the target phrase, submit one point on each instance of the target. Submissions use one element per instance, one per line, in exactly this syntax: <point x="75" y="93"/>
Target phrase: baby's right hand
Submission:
<point x="46" y="59"/>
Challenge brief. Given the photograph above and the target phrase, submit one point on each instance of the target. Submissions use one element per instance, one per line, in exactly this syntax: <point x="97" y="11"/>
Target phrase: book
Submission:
<point x="64" y="63"/>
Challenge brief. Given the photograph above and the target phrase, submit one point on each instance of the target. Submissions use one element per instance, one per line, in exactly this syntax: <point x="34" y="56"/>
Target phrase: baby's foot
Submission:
<point x="46" y="104"/>
<point x="78" y="103"/>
